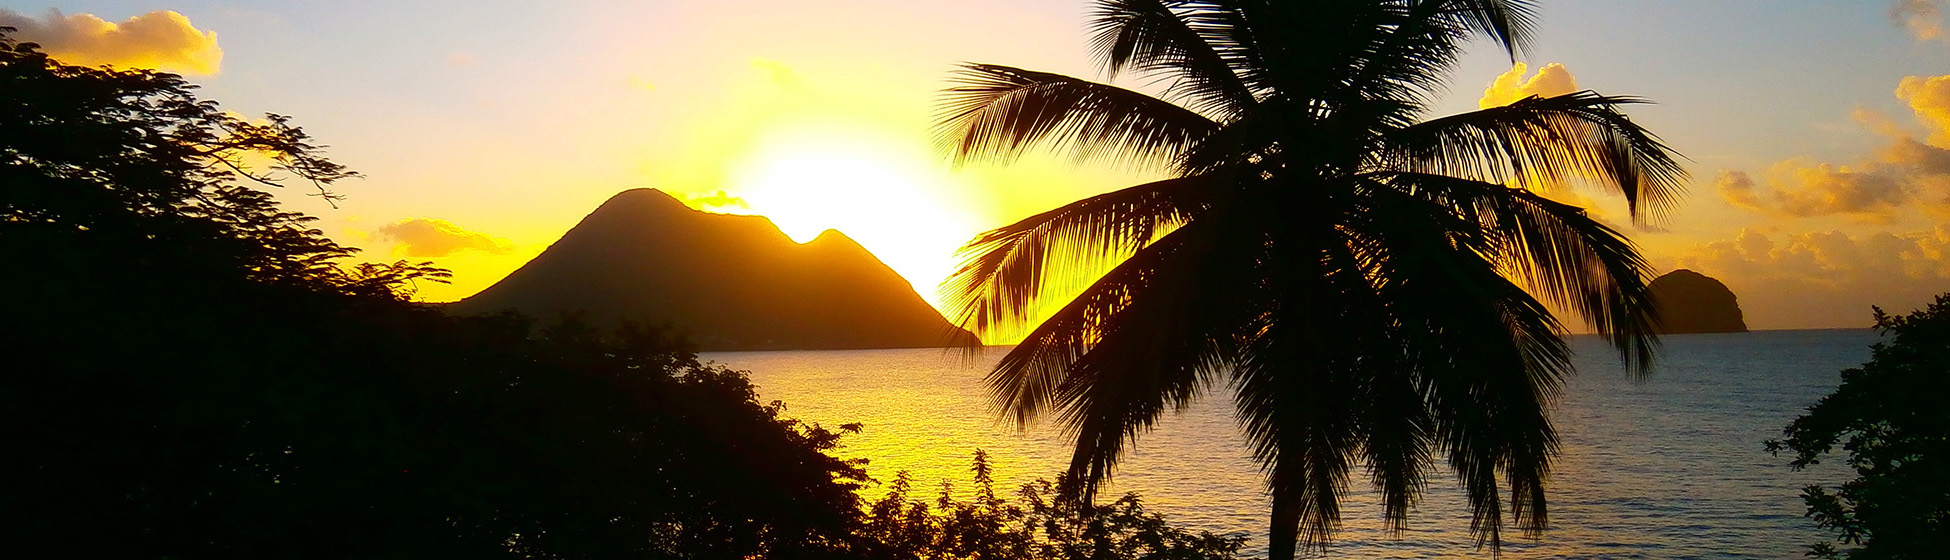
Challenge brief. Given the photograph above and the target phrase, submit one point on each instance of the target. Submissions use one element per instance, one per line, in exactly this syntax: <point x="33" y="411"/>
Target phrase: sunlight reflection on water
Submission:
<point x="1668" y="468"/>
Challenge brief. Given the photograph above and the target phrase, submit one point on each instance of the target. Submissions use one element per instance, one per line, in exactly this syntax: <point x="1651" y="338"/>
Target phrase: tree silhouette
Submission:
<point x="1368" y="283"/>
<point x="1889" y="417"/>
<point x="188" y="371"/>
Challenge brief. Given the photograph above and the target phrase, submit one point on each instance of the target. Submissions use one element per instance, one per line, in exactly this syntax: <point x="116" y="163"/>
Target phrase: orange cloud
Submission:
<point x="1923" y="18"/>
<point x="429" y="237"/>
<point x="1826" y="279"/>
<point x="1905" y="173"/>
<point x="1551" y="81"/>
<point x="160" y="40"/>
<point x="1930" y="99"/>
<point x="1799" y="188"/>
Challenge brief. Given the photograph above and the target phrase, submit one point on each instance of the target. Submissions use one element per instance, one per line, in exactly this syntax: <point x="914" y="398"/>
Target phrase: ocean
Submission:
<point x="1670" y="466"/>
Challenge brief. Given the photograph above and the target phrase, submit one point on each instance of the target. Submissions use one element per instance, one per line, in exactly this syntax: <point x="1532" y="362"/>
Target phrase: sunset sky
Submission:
<point x="1818" y="130"/>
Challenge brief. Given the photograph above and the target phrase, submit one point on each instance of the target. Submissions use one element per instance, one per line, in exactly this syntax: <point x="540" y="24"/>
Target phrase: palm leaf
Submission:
<point x="1036" y="375"/>
<point x="1509" y="23"/>
<point x="1489" y="356"/>
<point x="1005" y="270"/>
<point x="1574" y="261"/>
<point x="1185" y="40"/>
<point x="1549" y="140"/>
<point x="998" y="112"/>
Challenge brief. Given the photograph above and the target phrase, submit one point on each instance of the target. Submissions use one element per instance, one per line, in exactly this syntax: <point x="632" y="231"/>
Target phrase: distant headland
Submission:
<point x="728" y="282"/>
<point x="1690" y="302"/>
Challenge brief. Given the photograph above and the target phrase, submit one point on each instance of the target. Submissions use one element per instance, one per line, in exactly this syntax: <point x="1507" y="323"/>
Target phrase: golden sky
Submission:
<point x="1818" y="131"/>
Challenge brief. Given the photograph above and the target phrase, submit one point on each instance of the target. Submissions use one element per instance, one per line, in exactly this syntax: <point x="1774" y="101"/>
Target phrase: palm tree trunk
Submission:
<point x="1284" y="536"/>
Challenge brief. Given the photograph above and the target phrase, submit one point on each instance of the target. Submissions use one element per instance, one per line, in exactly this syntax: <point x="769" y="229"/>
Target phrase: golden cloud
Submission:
<point x="159" y="40"/>
<point x="429" y="237"/>
<point x="1923" y="18"/>
<point x="1826" y="279"/>
<point x="1904" y="173"/>
<point x="1801" y="188"/>
<point x="1737" y="188"/>
<point x="1551" y="81"/>
<point x="1930" y="99"/>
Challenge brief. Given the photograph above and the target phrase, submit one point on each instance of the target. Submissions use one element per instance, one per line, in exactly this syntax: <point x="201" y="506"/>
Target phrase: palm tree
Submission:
<point x="1371" y="287"/>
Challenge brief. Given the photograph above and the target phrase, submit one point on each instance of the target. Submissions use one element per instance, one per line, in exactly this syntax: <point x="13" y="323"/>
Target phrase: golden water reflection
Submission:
<point x="1671" y="467"/>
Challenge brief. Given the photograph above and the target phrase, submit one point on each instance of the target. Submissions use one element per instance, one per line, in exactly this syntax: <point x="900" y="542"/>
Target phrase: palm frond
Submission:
<point x="1182" y="40"/>
<point x="1407" y="63"/>
<point x="1509" y="23"/>
<point x="1549" y="140"/>
<point x="998" y="112"/>
<point x="1488" y="356"/>
<point x="1006" y="270"/>
<point x="1574" y="261"/>
<point x="1159" y="351"/>
<point x="1296" y="408"/>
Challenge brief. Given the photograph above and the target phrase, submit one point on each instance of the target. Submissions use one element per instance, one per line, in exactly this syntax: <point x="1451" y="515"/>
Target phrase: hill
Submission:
<point x="728" y="282"/>
<point x="1690" y="302"/>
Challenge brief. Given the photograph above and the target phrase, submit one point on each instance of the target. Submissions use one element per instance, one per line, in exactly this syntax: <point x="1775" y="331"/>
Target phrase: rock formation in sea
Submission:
<point x="728" y="282"/>
<point x="1690" y="302"/>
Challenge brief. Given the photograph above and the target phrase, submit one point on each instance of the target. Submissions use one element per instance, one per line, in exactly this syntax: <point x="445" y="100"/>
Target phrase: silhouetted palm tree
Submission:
<point x="1365" y="282"/>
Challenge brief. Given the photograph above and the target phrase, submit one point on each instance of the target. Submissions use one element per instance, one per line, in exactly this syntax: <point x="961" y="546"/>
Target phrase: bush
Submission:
<point x="1043" y="526"/>
<point x="1890" y="417"/>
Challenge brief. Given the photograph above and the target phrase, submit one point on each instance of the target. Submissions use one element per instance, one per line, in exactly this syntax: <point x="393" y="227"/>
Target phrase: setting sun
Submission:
<point x="892" y="199"/>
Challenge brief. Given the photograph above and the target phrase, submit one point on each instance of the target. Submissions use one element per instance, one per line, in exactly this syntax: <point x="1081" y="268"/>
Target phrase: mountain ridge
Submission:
<point x="729" y="282"/>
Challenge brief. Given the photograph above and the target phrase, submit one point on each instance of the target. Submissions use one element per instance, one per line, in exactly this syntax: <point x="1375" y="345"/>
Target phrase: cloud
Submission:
<point x="1923" y="18"/>
<point x="1551" y="81"/>
<point x="1826" y="279"/>
<point x="429" y="237"/>
<point x="1737" y="188"/>
<point x="1905" y="173"/>
<point x="1930" y="99"/>
<point x="716" y="202"/>
<point x="1801" y="188"/>
<point x="160" y="40"/>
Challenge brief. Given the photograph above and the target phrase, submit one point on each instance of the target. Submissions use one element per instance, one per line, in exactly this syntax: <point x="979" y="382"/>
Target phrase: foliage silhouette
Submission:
<point x="190" y="372"/>
<point x="1364" y="280"/>
<point x="901" y="526"/>
<point x="1890" y="419"/>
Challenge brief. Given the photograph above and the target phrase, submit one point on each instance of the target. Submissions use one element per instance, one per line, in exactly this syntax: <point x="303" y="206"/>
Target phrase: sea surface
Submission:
<point x="1671" y="466"/>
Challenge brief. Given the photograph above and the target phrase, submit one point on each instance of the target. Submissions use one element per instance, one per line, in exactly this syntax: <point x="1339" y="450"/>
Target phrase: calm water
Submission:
<point x="1671" y="467"/>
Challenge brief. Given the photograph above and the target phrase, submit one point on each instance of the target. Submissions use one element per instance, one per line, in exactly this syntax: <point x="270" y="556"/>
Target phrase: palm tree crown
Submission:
<point x="1371" y="286"/>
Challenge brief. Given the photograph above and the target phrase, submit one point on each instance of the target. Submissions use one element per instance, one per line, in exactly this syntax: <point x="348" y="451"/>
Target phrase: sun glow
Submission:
<point x="896" y="201"/>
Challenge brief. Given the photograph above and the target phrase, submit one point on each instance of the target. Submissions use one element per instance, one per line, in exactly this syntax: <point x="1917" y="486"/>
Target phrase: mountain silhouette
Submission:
<point x="728" y="282"/>
<point x="1690" y="302"/>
